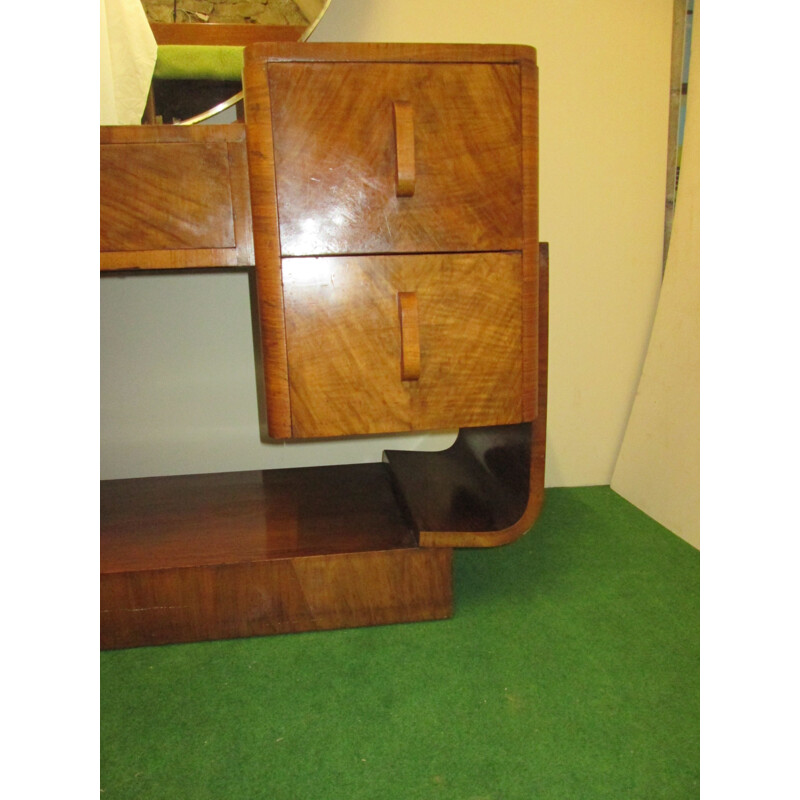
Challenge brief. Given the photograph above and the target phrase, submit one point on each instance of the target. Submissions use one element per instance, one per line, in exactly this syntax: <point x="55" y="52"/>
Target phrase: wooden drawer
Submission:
<point x="348" y="337"/>
<point x="381" y="173"/>
<point x="339" y="140"/>
<point x="173" y="197"/>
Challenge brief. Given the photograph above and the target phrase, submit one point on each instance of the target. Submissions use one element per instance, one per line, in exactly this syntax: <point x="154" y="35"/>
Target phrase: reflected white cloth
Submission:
<point x="127" y="57"/>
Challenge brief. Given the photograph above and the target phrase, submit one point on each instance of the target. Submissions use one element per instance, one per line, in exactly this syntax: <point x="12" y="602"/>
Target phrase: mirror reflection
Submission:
<point x="198" y="69"/>
<point x="299" y="13"/>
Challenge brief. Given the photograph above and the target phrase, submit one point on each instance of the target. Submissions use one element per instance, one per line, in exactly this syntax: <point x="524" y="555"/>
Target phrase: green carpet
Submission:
<point x="570" y="670"/>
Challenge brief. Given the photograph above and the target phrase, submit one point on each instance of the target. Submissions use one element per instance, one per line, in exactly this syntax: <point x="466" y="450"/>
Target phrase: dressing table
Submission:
<point x="384" y="198"/>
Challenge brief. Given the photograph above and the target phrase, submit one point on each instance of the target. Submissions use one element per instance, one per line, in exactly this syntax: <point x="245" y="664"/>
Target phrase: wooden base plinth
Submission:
<point x="201" y="557"/>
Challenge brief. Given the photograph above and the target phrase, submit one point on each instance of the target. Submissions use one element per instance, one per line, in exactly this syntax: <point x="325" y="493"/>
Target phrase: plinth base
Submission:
<point x="200" y="557"/>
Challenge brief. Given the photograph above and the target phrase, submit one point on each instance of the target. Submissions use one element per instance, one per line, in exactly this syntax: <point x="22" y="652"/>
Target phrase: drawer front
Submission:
<point x="174" y="197"/>
<point x="349" y="137"/>
<point x="165" y="196"/>
<point x="348" y="342"/>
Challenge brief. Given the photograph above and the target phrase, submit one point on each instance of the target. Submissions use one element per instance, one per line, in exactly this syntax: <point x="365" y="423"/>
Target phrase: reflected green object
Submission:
<point x="199" y="62"/>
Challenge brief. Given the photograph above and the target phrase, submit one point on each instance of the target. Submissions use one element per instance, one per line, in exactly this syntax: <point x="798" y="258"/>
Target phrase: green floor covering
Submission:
<point x="570" y="670"/>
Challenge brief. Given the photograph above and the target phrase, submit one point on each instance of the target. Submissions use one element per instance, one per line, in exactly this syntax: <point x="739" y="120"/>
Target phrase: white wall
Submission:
<point x="658" y="469"/>
<point x="604" y="90"/>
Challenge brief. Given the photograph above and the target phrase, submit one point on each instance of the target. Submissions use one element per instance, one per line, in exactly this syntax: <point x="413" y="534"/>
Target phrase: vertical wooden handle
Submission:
<point x="404" y="148"/>
<point x="409" y="336"/>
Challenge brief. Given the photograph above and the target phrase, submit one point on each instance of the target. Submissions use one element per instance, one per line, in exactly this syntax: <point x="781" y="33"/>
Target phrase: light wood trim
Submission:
<point x="409" y="336"/>
<point x="389" y="52"/>
<point x="530" y="223"/>
<point x="127" y="134"/>
<point x="404" y="148"/>
<point x="219" y="34"/>
<point x="264" y="205"/>
<point x="150" y="260"/>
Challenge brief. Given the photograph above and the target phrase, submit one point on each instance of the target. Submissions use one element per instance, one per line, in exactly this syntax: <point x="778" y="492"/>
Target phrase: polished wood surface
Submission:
<point x="194" y="557"/>
<point x="336" y="159"/>
<point x="344" y="342"/>
<point x="173" y="198"/>
<point x="288" y="595"/>
<point x="341" y="130"/>
<point x="488" y="488"/>
<point x="176" y="197"/>
<point x="479" y="485"/>
<point x="223" y="518"/>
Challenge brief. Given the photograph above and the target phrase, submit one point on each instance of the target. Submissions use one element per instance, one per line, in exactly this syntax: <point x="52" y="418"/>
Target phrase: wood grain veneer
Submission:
<point x="345" y="353"/>
<point x="174" y="198"/>
<point x="189" y="558"/>
<point x="336" y="158"/>
<point x="413" y="150"/>
<point x="262" y="598"/>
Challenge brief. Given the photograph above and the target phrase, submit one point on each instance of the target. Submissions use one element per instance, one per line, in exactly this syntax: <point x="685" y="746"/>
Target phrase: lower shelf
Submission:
<point x="201" y="557"/>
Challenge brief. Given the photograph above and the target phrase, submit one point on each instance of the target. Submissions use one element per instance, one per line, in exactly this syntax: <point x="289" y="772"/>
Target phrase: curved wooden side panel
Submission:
<point x="487" y="489"/>
<point x="272" y="358"/>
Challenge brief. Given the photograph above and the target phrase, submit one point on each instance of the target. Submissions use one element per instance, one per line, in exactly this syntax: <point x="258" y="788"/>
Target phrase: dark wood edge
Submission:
<point x="220" y="34"/>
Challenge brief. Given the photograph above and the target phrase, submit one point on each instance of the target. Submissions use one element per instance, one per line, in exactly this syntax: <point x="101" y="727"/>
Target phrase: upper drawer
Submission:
<point x="337" y="143"/>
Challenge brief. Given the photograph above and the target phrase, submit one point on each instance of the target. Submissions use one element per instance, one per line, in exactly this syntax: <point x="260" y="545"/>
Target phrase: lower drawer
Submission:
<point x="379" y="344"/>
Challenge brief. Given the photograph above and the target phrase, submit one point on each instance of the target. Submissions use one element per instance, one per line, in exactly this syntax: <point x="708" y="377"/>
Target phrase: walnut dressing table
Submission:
<point x="384" y="197"/>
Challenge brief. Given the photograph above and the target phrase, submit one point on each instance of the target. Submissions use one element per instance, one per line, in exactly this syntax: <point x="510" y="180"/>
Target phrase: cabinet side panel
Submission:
<point x="266" y="243"/>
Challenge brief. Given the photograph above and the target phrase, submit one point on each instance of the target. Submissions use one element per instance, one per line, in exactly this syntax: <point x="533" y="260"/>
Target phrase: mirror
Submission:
<point x="185" y="89"/>
<point x="293" y="20"/>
